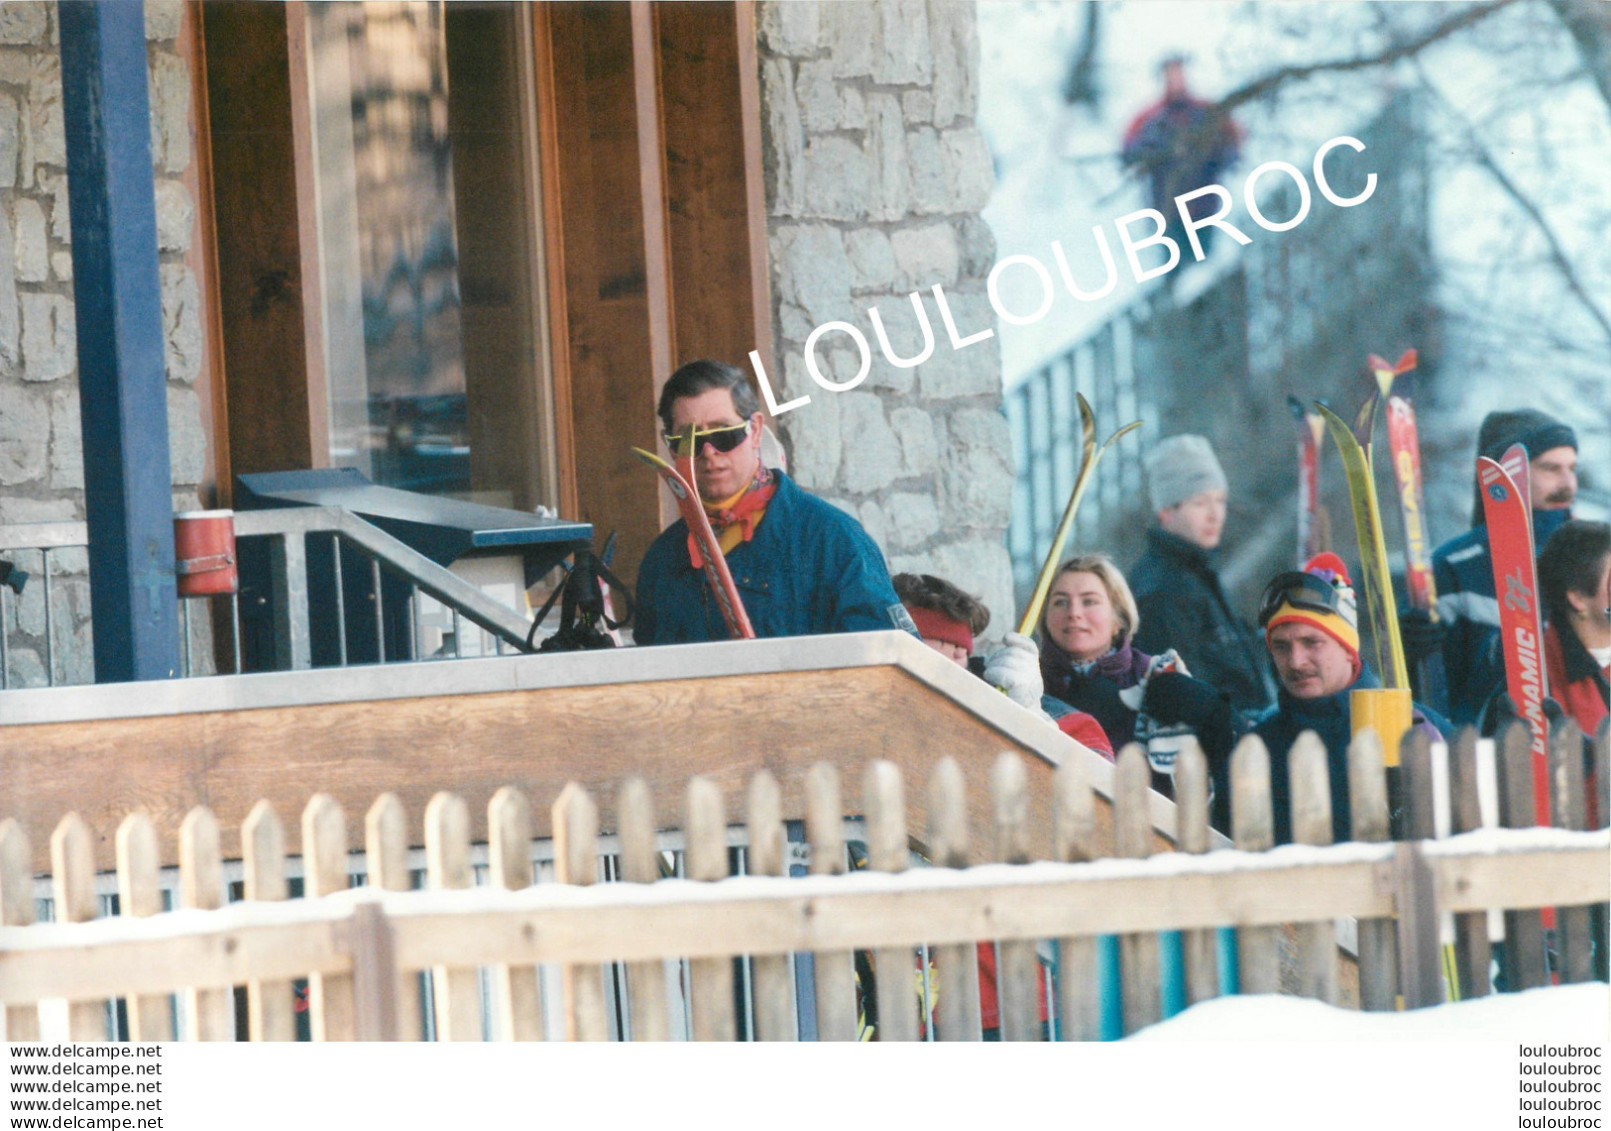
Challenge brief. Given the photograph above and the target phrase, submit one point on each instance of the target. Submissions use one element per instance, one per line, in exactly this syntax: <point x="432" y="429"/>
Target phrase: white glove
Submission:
<point x="1015" y="668"/>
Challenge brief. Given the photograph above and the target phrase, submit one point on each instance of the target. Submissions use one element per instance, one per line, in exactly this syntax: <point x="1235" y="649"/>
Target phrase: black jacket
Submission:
<point x="1182" y="607"/>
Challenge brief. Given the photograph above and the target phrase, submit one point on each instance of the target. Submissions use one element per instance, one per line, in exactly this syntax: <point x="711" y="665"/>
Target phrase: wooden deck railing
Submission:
<point x="362" y="951"/>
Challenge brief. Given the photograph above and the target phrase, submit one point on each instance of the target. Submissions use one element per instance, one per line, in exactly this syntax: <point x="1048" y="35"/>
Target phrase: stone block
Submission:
<point x="24" y="427"/>
<point x="969" y="171"/>
<point x="66" y="442"/>
<point x="793" y="322"/>
<point x="47" y="138"/>
<point x="837" y="179"/>
<point x="61" y="266"/>
<point x="10" y="317"/>
<point x="917" y="107"/>
<point x="176" y="215"/>
<point x="187" y="445"/>
<point x="902" y="327"/>
<point x="852" y="109"/>
<point x="818" y="96"/>
<point x="30" y="250"/>
<point x="871" y="517"/>
<point x="14" y="66"/>
<point x="904" y="338"/>
<point x="953" y="32"/>
<point x="61" y="220"/>
<point x="847" y="36"/>
<point x="914" y="430"/>
<point x="976" y="247"/>
<point x="973" y="370"/>
<point x="912" y="519"/>
<point x="791" y="27"/>
<point x="24" y="21"/>
<point x="903" y="56"/>
<point x="976" y="478"/>
<point x="70" y="560"/>
<point x="872" y="455"/>
<point x="49" y="342"/>
<point x="926" y="168"/>
<point x="926" y="256"/>
<point x="163" y="19"/>
<point x="27" y="670"/>
<point x="784" y="139"/>
<point x="983" y="567"/>
<point x="812" y="271"/>
<point x="15" y="510"/>
<point x="812" y="431"/>
<point x="181" y="323"/>
<point x="886" y="159"/>
<point x="170" y="112"/>
<point x="872" y="260"/>
<point x="10" y="140"/>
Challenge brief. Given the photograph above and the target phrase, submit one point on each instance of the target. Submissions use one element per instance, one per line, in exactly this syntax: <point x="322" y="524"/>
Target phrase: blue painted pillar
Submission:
<point x="128" y="499"/>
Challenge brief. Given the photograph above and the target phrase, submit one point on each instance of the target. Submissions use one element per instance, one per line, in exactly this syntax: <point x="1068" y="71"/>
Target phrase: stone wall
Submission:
<point x="41" y="451"/>
<point x="875" y="175"/>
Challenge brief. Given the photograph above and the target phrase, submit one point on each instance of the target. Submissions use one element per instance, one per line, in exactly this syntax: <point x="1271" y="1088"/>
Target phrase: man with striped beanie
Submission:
<point x="1311" y="627"/>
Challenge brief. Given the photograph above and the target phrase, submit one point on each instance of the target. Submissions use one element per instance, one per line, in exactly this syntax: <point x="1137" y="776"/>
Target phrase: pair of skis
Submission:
<point x="1314" y="526"/>
<point x="1354" y="445"/>
<point x="1090" y="453"/>
<point x="1507" y="509"/>
<point x="680" y="479"/>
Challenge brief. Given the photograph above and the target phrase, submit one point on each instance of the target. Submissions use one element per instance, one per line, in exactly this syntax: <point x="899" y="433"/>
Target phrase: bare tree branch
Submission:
<point x="1405" y="49"/>
<point x="1557" y="253"/>
<point x="1589" y="22"/>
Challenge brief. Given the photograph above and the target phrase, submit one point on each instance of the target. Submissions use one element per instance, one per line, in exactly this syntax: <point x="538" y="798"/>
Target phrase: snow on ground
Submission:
<point x="1558" y="1014"/>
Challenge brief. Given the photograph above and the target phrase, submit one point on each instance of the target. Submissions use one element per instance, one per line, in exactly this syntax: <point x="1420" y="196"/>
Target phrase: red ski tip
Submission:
<point x="1377" y="363"/>
<point x="1406" y="362"/>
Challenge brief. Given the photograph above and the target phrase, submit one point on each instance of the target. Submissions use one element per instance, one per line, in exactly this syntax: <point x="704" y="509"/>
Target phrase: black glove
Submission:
<point x="1174" y="698"/>
<point x="1422" y="636"/>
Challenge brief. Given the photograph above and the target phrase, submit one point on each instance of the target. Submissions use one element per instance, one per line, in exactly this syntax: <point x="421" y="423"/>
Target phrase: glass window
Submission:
<point x="429" y="267"/>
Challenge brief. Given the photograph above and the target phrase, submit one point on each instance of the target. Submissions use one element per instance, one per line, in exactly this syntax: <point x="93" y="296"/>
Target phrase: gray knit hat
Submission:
<point x="1180" y="467"/>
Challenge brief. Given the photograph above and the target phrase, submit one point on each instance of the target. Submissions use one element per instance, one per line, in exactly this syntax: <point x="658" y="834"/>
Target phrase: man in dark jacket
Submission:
<point x="1463" y="569"/>
<point x="1176" y="588"/>
<point x="1312" y="629"/>
<point x="801" y="566"/>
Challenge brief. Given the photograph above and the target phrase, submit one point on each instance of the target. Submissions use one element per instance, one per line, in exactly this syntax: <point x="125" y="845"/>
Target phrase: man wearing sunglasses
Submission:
<point x="1311" y="627"/>
<point x="801" y="566"/>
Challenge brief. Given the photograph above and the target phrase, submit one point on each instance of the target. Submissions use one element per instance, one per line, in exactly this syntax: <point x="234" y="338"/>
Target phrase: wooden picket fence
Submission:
<point x="498" y="954"/>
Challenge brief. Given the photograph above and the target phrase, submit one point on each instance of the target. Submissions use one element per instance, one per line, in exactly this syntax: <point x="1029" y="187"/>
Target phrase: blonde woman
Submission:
<point x="1087" y="661"/>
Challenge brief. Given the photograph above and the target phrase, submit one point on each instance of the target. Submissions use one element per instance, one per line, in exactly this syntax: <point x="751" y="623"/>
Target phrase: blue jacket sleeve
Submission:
<point x="865" y="599"/>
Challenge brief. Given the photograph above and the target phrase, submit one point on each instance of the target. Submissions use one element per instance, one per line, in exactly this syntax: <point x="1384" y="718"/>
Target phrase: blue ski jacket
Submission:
<point x="1330" y="717"/>
<point x="810" y="569"/>
<point x="1473" y="656"/>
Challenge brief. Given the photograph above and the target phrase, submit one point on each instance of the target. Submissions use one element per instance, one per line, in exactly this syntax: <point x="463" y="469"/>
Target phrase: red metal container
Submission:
<point x="204" y="549"/>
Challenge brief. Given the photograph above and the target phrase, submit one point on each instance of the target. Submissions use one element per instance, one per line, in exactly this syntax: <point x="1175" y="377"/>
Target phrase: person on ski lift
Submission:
<point x="1176" y="586"/>
<point x="1311" y="627"/>
<point x="801" y="566"/>
<point x="1467" y="629"/>
<point x="1088" y="660"/>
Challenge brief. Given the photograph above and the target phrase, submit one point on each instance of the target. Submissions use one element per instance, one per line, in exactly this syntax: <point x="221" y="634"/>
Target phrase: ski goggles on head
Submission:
<point x="723" y="439"/>
<point x="1303" y="591"/>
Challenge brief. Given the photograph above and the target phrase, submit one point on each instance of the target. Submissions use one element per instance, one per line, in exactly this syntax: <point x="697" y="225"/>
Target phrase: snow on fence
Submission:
<point x="634" y="959"/>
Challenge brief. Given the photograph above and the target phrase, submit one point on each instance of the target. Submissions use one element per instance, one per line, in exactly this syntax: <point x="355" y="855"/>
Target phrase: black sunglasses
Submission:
<point x="723" y="439"/>
<point x="1304" y="590"/>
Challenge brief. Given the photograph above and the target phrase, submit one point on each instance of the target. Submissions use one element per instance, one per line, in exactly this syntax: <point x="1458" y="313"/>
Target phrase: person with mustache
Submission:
<point x="1311" y="627"/>
<point x="1467" y="629"/>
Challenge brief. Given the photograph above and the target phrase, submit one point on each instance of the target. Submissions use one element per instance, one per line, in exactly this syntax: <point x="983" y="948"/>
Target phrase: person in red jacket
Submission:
<point x="948" y="620"/>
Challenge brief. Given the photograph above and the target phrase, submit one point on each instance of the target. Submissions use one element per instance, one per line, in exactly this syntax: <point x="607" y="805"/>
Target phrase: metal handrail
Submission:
<point x="436" y="580"/>
<point x="289" y="528"/>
